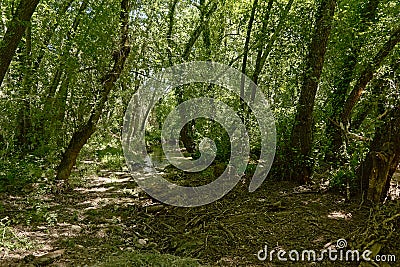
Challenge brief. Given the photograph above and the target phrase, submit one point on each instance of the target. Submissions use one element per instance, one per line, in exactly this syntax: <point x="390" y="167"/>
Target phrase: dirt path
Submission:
<point x="108" y="221"/>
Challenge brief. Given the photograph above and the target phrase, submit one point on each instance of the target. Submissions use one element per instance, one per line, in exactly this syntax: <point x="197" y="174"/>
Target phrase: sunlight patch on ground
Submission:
<point x="105" y="180"/>
<point x="41" y="241"/>
<point x="93" y="190"/>
<point x="102" y="202"/>
<point x="340" y="215"/>
<point x="394" y="190"/>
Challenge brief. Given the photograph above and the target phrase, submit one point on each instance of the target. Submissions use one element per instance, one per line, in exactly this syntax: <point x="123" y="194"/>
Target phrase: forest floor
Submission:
<point x="105" y="220"/>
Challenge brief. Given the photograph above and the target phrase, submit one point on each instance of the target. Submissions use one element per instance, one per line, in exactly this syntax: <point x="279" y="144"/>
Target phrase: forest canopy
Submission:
<point x="329" y="70"/>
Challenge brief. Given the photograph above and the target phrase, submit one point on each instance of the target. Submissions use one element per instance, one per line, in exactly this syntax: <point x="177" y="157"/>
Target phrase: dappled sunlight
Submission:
<point x="199" y="133"/>
<point x="93" y="190"/>
<point x="93" y="202"/>
<point x="340" y="215"/>
<point x="394" y="190"/>
<point x="101" y="202"/>
<point x="38" y="241"/>
<point x="99" y="180"/>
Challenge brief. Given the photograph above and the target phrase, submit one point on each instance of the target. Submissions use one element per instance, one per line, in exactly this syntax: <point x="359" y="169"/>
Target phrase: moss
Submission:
<point x="147" y="259"/>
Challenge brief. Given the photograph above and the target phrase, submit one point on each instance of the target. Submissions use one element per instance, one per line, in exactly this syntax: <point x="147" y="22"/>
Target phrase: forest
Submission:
<point x="199" y="133"/>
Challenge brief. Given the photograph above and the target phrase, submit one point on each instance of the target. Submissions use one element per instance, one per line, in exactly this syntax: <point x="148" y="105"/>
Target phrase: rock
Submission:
<point x="142" y="241"/>
<point x="76" y="228"/>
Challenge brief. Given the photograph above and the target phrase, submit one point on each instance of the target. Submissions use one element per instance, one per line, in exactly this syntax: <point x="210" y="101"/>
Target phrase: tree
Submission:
<point x="367" y="75"/>
<point x="301" y="138"/>
<point x="206" y="11"/>
<point x="383" y="158"/>
<point x="15" y="30"/>
<point x="80" y="137"/>
<point x="352" y="44"/>
<point x="319" y="63"/>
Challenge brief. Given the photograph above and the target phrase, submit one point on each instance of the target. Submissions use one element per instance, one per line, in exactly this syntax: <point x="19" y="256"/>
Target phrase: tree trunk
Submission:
<point x="344" y="77"/>
<point x="381" y="162"/>
<point x="246" y="51"/>
<point x="171" y="15"/>
<point x="15" y="30"/>
<point x="49" y="114"/>
<point x="263" y="53"/>
<point x="259" y="66"/>
<point x="24" y="116"/>
<point x="367" y="75"/>
<point x="206" y="11"/>
<point x="70" y="155"/>
<point x="187" y="137"/>
<point x="80" y="138"/>
<point x="301" y="137"/>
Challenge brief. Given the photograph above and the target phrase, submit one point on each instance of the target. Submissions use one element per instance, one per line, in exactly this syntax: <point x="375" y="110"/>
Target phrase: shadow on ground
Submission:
<point x="108" y="221"/>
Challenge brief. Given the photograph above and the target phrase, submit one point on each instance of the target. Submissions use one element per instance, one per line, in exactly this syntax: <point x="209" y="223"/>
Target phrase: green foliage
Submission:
<point x="251" y="169"/>
<point x="55" y="79"/>
<point x="112" y="162"/>
<point x="40" y="214"/>
<point x="214" y="131"/>
<point x="340" y="177"/>
<point x="16" y="173"/>
<point x="147" y="259"/>
<point x="10" y="239"/>
<point x="39" y="210"/>
<point x="153" y="138"/>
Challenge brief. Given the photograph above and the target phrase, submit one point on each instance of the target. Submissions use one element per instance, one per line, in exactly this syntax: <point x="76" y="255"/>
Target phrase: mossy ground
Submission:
<point x="105" y="220"/>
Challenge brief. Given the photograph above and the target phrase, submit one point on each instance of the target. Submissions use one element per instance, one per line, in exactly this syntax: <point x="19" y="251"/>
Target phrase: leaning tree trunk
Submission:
<point x="264" y="52"/>
<point x="260" y="50"/>
<point x="367" y="74"/>
<point x="15" y="30"/>
<point x="80" y="138"/>
<point x="344" y="77"/>
<point x="381" y="162"/>
<point x="48" y="119"/>
<point x="301" y="137"/>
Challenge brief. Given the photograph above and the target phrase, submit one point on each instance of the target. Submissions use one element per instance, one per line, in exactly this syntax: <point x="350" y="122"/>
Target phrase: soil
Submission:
<point x="106" y="220"/>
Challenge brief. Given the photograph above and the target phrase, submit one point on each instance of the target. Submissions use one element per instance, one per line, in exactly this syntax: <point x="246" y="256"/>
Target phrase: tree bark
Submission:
<point x="367" y="75"/>
<point x="246" y="50"/>
<point x="15" y="30"/>
<point x="25" y="120"/>
<point x="259" y="66"/>
<point x="263" y="53"/>
<point x="171" y="15"/>
<point x="381" y="162"/>
<point x="80" y="138"/>
<point x="206" y="11"/>
<point x="344" y="77"/>
<point x="301" y="137"/>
